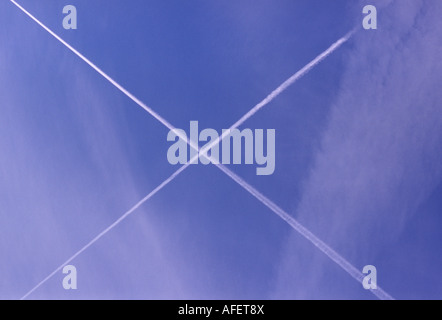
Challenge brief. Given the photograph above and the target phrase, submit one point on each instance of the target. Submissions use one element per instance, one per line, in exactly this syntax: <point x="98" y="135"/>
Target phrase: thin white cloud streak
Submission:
<point x="328" y="251"/>
<point x="298" y="75"/>
<point x="101" y="72"/>
<point x="109" y="228"/>
<point x="267" y="202"/>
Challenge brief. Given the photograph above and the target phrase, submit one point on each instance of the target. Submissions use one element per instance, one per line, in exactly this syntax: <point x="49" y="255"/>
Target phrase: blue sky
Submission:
<point x="358" y="149"/>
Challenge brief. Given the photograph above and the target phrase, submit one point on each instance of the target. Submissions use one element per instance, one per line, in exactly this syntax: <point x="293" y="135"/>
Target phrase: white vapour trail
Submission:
<point x="109" y="228"/>
<point x="101" y="72"/>
<point x="286" y="217"/>
<point x="333" y="255"/>
<point x="275" y="93"/>
<point x="294" y="78"/>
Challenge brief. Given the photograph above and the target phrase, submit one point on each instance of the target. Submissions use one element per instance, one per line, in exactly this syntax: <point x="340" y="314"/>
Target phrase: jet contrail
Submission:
<point x="267" y="202"/>
<point x="101" y="72"/>
<point x="295" y="78"/>
<point x="333" y="255"/>
<point x="113" y="225"/>
<point x="275" y="93"/>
